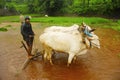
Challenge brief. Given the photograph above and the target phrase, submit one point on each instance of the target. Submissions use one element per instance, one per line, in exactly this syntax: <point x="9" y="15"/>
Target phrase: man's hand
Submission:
<point x="31" y="35"/>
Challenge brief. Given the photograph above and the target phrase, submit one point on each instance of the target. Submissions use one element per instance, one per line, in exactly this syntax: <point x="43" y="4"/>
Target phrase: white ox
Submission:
<point x="62" y="42"/>
<point x="76" y="29"/>
<point x="67" y="40"/>
<point x="72" y="29"/>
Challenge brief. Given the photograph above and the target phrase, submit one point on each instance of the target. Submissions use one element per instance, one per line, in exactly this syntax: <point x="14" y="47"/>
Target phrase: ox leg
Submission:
<point x="51" y="60"/>
<point x="50" y="55"/>
<point x="45" y="55"/>
<point x="74" y="59"/>
<point x="70" y="58"/>
<point x="45" y="52"/>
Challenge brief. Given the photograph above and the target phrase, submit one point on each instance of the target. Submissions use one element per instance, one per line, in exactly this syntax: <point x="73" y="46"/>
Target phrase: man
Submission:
<point x="28" y="34"/>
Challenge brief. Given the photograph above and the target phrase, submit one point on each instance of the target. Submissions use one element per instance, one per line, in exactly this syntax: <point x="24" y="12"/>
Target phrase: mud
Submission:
<point x="97" y="64"/>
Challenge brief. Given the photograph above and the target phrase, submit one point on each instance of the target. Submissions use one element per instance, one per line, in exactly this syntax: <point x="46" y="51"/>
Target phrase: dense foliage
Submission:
<point x="63" y="7"/>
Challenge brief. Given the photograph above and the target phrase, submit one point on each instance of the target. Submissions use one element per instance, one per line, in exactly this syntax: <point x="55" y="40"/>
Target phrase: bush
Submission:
<point x="11" y="7"/>
<point x="23" y="9"/>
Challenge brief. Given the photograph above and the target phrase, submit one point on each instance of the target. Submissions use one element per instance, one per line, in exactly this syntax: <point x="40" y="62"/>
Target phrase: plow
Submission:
<point x="30" y="58"/>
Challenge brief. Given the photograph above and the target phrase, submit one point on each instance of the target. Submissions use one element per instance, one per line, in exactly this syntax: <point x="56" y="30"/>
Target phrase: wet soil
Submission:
<point x="97" y="64"/>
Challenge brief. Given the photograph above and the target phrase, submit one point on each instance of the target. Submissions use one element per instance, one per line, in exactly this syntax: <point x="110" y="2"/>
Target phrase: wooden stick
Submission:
<point x="24" y="46"/>
<point x="27" y="61"/>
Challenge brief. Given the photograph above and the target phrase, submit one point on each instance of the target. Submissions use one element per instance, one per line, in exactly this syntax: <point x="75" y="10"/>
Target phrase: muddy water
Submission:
<point x="97" y="64"/>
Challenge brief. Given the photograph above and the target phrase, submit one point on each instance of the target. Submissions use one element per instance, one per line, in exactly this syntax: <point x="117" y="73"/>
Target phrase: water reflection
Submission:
<point x="39" y="70"/>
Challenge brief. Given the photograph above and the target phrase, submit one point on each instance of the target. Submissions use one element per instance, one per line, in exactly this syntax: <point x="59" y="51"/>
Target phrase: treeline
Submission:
<point x="63" y="7"/>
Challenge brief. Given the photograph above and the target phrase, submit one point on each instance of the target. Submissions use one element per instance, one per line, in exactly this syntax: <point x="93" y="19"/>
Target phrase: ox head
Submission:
<point x="94" y="39"/>
<point x="94" y="42"/>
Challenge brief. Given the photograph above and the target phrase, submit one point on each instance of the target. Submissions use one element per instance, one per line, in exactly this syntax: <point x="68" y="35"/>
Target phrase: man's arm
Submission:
<point x="31" y="31"/>
<point x="23" y="30"/>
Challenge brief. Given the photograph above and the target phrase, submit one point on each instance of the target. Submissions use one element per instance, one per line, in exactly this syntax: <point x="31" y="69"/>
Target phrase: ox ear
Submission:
<point x="79" y="28"/>
<point x="92" y="30"/>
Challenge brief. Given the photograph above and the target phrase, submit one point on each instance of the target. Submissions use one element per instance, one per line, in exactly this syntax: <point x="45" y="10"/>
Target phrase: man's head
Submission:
<point x="27" y="19"/>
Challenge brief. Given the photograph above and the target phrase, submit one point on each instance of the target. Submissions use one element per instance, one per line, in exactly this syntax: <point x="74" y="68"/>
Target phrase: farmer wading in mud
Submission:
<point x="28" y="34"/>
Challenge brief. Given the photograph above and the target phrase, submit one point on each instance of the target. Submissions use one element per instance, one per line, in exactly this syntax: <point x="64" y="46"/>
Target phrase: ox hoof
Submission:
<point x="68" y="65"/>
<point x="51" y="62"/>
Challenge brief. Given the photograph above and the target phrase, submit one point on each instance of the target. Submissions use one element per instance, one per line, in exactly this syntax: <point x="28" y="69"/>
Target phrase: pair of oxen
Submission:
<point x="66" y="40"/>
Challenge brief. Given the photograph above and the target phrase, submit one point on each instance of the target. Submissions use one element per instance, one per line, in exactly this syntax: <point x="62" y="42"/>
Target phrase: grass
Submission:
<point x="3" y="29"/>
<point x="9" y="19"/>
<point x="78" y="20"/>
<point x="8" y="26"/>
<point x="67" y="21"/>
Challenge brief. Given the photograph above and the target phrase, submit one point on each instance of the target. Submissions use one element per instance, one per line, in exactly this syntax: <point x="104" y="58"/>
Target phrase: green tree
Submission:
<point x="35" y="6"/>
<point x="54" y="7"/>
<point x="50" y="7"/>
<point x="2" y="3"/>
